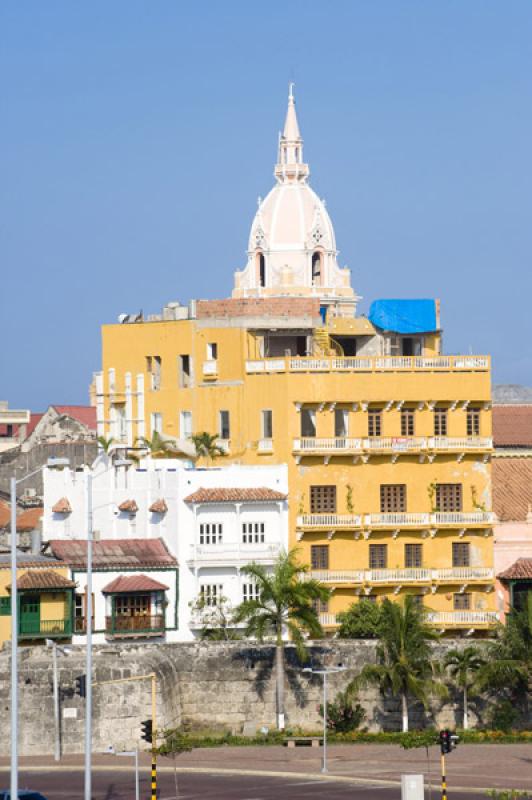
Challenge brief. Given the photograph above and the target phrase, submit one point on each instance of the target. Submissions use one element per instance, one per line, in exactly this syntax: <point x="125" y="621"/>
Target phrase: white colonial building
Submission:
<point x="213" y="521"/>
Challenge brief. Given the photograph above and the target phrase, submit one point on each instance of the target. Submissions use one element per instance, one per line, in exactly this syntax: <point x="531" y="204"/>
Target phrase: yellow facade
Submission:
<point x="356" y="463"/>
<point x="49" y="612"/>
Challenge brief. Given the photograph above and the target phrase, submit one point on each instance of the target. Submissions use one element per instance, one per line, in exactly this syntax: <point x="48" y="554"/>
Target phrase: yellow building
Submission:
<point x="387" y="439"/>
<point x="44" y="590"/>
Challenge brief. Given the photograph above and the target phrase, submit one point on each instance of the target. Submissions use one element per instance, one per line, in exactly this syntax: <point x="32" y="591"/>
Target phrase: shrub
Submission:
<point x="343" y="714"/>
<point x="503" y="716"/>
<point x="360" y="621"/>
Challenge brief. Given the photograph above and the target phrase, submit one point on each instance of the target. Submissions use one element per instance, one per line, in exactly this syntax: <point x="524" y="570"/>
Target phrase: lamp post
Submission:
<point x="88" y="664"/>
<point x="324" y="673"/>
<point x="51" y="463"/>
<point x="64" y="651"/>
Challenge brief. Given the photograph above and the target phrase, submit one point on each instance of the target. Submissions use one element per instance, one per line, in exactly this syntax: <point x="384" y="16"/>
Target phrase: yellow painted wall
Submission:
<point x="53" y="604"/>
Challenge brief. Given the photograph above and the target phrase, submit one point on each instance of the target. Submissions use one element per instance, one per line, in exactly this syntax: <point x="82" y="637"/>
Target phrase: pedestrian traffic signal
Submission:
<point x="448" y="741"/>
<point x="146" y="728"/>
<point x="81" y="685"/>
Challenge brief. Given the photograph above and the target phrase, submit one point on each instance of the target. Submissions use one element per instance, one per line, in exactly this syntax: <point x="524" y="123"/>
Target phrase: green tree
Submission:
<point x="404" y="657"/>
<point x="285" y="604"/>
<point x="105" y="444"/>
<point x="158" y="447"/>
<point x="207" y="446"/>
<point x="360" y="621"/>
<point x="464" y="667"/>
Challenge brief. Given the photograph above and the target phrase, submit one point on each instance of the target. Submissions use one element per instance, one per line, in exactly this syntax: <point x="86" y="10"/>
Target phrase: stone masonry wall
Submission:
<point x="206" y="686"/>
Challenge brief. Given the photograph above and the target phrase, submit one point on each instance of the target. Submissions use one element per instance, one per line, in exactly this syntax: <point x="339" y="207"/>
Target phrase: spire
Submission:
<point x="290" y="166"/>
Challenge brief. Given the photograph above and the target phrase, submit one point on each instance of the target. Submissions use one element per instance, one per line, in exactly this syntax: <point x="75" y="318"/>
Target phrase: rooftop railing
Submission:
<point x="467" y="363"/>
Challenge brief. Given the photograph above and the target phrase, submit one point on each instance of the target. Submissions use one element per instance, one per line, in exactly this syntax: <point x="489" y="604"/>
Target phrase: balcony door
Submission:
<point x="30" y="613"/>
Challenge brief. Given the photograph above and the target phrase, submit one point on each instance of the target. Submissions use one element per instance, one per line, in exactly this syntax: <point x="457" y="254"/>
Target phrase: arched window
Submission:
<point x="316" y="269"/>
<point x="261" y="269"/>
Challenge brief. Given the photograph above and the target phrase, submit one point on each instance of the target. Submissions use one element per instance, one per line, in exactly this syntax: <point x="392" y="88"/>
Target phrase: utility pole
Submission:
<point x="88" y="665"/>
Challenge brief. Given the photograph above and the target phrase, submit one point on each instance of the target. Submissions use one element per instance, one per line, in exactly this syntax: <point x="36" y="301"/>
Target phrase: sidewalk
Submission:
<point x="470" y="766"/>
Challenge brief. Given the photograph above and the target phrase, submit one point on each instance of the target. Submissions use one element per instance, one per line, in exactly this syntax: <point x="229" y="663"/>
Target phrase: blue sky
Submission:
<point x="136" y="137"/>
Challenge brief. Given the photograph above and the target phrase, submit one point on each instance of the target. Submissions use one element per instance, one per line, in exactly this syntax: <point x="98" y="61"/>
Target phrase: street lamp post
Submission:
<point x="88" y="664"/>
<point x="325" y="673"/>
<point x="64" y="651"/>
<point x="52" y="462"/>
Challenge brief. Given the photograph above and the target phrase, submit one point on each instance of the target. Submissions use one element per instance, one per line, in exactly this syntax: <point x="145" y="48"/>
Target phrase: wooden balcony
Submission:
<point x="49" y="628"/>
<point x="119" y="626"/>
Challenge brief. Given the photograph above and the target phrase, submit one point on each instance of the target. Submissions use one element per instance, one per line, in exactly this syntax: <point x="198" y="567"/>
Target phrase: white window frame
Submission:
<point x="210" y="594"/>
<point x="267" y="423"/>
<point x="156" y="420"/>
<point x="253" y="532"/>
<point x="221" y="425"/>
<point x="185" y="424"/>
<point x="210" y="533"/>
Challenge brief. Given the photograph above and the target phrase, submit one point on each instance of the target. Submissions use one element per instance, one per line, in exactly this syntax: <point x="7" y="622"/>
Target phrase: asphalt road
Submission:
<point x="109" y="785"/>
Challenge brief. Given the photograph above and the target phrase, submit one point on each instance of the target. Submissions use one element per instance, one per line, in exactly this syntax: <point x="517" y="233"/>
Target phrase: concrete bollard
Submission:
<point x="412" y="787"/>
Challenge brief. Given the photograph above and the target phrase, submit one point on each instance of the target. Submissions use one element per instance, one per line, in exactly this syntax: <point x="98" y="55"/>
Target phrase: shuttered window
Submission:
<point x="449" y="496"/>
<point x="378" y="556"/>
<point x="413" y="555"/>
<point x="323" y="499"/>
<point x="319" y="556"/>
<point x="393" y="497"/>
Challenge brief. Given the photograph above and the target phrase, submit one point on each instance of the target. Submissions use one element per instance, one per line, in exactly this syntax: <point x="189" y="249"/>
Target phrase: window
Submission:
<point x="185" y="371"/>
<point x="5" y="606"/>
<point x="341" y="422"/>
<point x="374" y="422"/>
<point x="378" y="556"/>
<point x="156" y="422"/>
<point x="319" y="556"/>
<point x="473" y="421"/>
<point x="185" y="424"/>
<point x="461" y="554"/>
<point x="308" y="422"/>
<point x="224" y="429"/>
<point x="211" y="594"/>
<point x="154" y="368"/>
<point x="320" y="606"/>
<point x="250" y="591"/>
<point x="262" y="270"/>
<point x="413" y="555"/>
<point x="417" y="599"/>
<point x="316" y="269"/>
<point x="393" y="498"/>
<point x="132" y="605"/>
<point x="80" y="612"/>
<point x="212" y="351"/>
<point x="253" y="533"/>
<point x="449" y="496"/>
<point x="267" y="423"/>
<point x="407" y="422"/>
<point x="440" y="422"/>
<point x="323" y="499"/>
<point x="461" y="602"/>
<point x="210" y="533"/>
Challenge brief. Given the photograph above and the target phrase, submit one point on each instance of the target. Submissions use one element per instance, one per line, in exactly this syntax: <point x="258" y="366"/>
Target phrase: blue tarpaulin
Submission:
<point x="404" y="316"/>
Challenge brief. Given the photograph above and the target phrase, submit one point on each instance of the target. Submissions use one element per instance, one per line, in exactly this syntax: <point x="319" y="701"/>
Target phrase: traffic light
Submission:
<point x="146" y="728"/>
<point x="81" y="685"/>
<point x="448" y="741"/>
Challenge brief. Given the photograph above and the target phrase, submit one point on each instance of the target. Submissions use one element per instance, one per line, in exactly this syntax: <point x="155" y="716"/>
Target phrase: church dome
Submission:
<point x="292" y="246"/>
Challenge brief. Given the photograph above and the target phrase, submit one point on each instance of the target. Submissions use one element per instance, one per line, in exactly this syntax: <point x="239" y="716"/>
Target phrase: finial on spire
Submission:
<point x="291" y="91"/>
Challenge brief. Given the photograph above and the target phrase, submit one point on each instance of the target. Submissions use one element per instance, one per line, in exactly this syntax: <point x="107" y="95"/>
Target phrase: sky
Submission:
<point x="136" y="137"/>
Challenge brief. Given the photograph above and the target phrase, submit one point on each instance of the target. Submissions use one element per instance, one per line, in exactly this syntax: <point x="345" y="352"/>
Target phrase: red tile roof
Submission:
<point x="114" y="553"/>
<point x="29" y="519"/>
<point x="159" y="506"/>
<point x="520" y="569"/>
<point x="5" y="514"/>
<point x="44" y="579"/>
<point x="129" y="505"/>
<point x="512" y="426"/>
<point x="62" y="506"/>
<point x="512" y="488"/>
<point x="257" y="495"/>
<point x="84" y="414"/>
<point x="133" y="583"/>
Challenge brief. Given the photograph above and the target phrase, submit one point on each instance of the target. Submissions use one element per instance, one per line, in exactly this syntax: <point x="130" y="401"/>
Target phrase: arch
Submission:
<point x="261" y="268"/>
<point x="317" y="268"/>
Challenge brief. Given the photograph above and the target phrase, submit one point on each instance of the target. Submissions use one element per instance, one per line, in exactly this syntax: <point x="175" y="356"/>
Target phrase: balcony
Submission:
<point x="210" y="369"/>
<point x="119" y="626"/>
<point x="265" y="446"/>
<point x="468" y="363"/>
<point x="407" y="576"/>
<point x="328" y="620"/>
<point x="329" y="521"/>
<point x="437" y="519"/>
<point x="397" y="519"/>
<point x="394" y="445"/>
<point x="336" y="577"/>
<point x="462" y="619"/>
<point x="218" y="555"/>
<point x="51" y="628"/>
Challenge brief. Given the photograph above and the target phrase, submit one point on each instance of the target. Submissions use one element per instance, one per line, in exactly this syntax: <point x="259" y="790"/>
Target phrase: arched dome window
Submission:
<point x="261" y="269"/>
<point x="316" y="268"/>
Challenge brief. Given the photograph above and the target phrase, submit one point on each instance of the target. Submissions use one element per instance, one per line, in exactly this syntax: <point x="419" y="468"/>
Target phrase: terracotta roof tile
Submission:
<point x="5" y="514"/>
<point x="133" y="583"/>
<point x="29" y="519"/>
<point x="522" y="568"/>
<point x="114" y="553"/>
<point x="159" y="506"/>
<point x="255" y="495"/>
<point x="512" y="426"/>
<point x="129" y="505"/>
<point x="62" y="506"/>
<point x="512" y="487"/>
<point x="44" y="579"/>
<point x="84" y="414"/>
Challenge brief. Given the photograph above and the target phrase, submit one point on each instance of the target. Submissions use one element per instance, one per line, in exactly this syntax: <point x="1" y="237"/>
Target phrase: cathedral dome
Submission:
<point x="292" y="246"/>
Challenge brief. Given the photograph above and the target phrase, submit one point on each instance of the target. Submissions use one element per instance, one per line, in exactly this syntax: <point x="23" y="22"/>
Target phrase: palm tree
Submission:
<point x="159" y="447"/>
<point x="285" y="602"/>
<point x="105" y="444"/>
<point x="464" y="667"/>
<point x="207" y="446"/>
<point x="404" y="666"/>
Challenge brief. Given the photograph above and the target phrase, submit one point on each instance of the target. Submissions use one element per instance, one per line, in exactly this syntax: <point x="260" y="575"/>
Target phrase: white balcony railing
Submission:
<point x="337" y="576"/>
<point x="328" y="620"/>
<point x="463" y="574"/>
<point x="462" y="619"/>
<point x="338" y="444"/>
<point x="370" y="364"/>
<point x="329" y="521"/>
<point x="390" y="444"/>
<point x="265" y="446"/>
<point x="408" y="575"/>
<point x="220" y="554"/>
<point x="396" y="520"/>
<point x="210" y="368"/>
<point x="436" y="519"/>
<point x="462" y="518"/>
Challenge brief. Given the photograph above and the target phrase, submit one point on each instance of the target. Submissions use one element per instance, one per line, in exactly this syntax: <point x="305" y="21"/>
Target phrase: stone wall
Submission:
<point x="205" y="686"/>
<point x="17" y="463"/>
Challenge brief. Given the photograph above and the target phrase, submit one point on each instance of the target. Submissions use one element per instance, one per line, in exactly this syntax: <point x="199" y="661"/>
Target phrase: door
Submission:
<point x="30" y="613"/>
